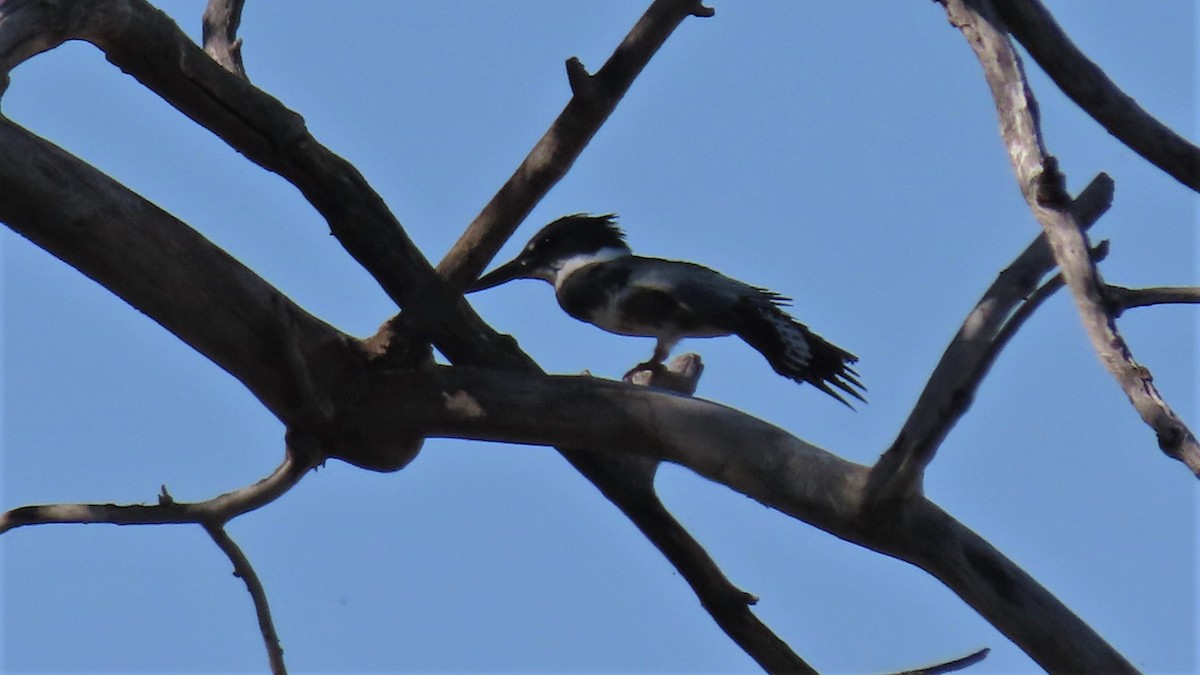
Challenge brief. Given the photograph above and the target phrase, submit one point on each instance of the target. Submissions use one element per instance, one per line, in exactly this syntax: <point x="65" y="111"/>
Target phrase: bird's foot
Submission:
<point x="651" y="367"/>
<point x="683" y="375"/>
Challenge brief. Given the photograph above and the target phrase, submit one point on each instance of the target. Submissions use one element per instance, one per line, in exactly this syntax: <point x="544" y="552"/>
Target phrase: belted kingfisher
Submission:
<point x="597" y="279"/>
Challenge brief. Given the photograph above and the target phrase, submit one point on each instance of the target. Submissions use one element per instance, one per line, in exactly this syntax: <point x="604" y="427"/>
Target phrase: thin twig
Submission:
<point x="218" y="510"/>
<point x="212" y="514"/>
<point x="1088" y="86"/>
<point x="1121" y="298"/>
<point x="244" y="570"/>
<point x="1042" y="184"/>
<point x="951" y="666"/>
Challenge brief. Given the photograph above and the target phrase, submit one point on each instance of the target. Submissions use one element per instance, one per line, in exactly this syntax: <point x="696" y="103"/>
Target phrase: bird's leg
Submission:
<point x="655" y="364"/>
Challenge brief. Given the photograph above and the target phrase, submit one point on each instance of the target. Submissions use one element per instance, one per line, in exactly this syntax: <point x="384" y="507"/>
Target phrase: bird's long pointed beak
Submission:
<point x="513" y="269"/>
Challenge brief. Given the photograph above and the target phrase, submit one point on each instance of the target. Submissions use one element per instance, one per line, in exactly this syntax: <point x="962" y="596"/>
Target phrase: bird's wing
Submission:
<point x="756" y="315"/>
<point x="699" y="290"/>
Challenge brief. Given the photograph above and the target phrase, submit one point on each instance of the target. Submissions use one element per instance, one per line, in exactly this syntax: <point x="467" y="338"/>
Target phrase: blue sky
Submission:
<point x="846" y="155"/>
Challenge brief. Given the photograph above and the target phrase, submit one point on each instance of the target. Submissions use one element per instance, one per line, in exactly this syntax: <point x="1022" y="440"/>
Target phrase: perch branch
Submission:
<point x="629" y="484"/>
<point x="745" y="454"/>
<point x="1089" y="87"/>
<point x="1040" y="181"/>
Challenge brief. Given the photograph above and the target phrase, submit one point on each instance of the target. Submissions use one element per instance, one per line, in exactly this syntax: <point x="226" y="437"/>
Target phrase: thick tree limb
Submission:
<point x="149" y="46"/>
<point x="1042" y="184"/>
<point x="748" y="455"/>
<point x="155" y="263"/>
<point x="145" y="43"/>
<point x="376" y="411"/>
<point x="372" y="411"/>
<point x="1088" y="86"/>
<point x="951" y="387"/>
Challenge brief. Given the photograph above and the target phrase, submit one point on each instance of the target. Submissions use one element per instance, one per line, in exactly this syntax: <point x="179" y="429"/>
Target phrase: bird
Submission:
<point x="597" y="279"/>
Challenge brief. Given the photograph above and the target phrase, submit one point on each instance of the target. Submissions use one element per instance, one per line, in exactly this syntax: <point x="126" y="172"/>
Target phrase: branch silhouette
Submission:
<point x="373" y="402"/>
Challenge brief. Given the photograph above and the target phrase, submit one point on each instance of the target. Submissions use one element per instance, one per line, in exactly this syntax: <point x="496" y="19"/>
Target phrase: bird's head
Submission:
<point x="565" y="244"/>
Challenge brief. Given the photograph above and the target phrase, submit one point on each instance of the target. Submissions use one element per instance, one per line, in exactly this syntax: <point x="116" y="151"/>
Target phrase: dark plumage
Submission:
<point x="597" y="279"/>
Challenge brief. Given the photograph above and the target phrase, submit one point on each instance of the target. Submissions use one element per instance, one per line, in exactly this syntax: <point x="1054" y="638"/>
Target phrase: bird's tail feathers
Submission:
<point x="797" y="353"/>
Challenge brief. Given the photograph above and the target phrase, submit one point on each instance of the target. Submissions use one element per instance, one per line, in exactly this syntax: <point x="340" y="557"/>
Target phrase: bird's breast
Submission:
<point x="613" y="298"/>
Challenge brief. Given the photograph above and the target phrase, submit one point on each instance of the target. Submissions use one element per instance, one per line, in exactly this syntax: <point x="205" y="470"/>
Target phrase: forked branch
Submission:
<point x="211" y="514"/>
<point x="1042" y="184"/>
<point x="985" y="331"/>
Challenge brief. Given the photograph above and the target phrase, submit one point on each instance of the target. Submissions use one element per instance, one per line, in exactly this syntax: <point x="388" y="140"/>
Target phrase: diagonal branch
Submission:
<point x="1042" y="184"/>
<point x="155" y="263"/>
<point x="146" y="44"/>
<point x="951" y="387"/>
<point x="1088" y="86"/>
<point x="745" y="454"/>
<point x="595" y="98"/>
<point x="245" y="571"/>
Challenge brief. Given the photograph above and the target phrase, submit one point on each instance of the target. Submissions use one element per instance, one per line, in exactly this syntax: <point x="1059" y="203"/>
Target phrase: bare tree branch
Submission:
<point x="154" y="262"/>
<point x="211" y="514"/>
<point x="745" y="454"/>
<point x="318" y="381"/>
<point x="1120" y="298"/>
<point x="145" y="43"/>
<point x="595" y="98"/>
<point x="951" y="387"/>
<point x="274" y="137"/>
<point x="951" y="666"/>
<point x="216" y="511"/>
<point x="1042" y="184"/>
<point x="557" y="150"/>
<point x="629" y="484"/>
<point x="220" y="23"/>
<point x="245" y="571"/>
<point x="1088" y="86"/>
